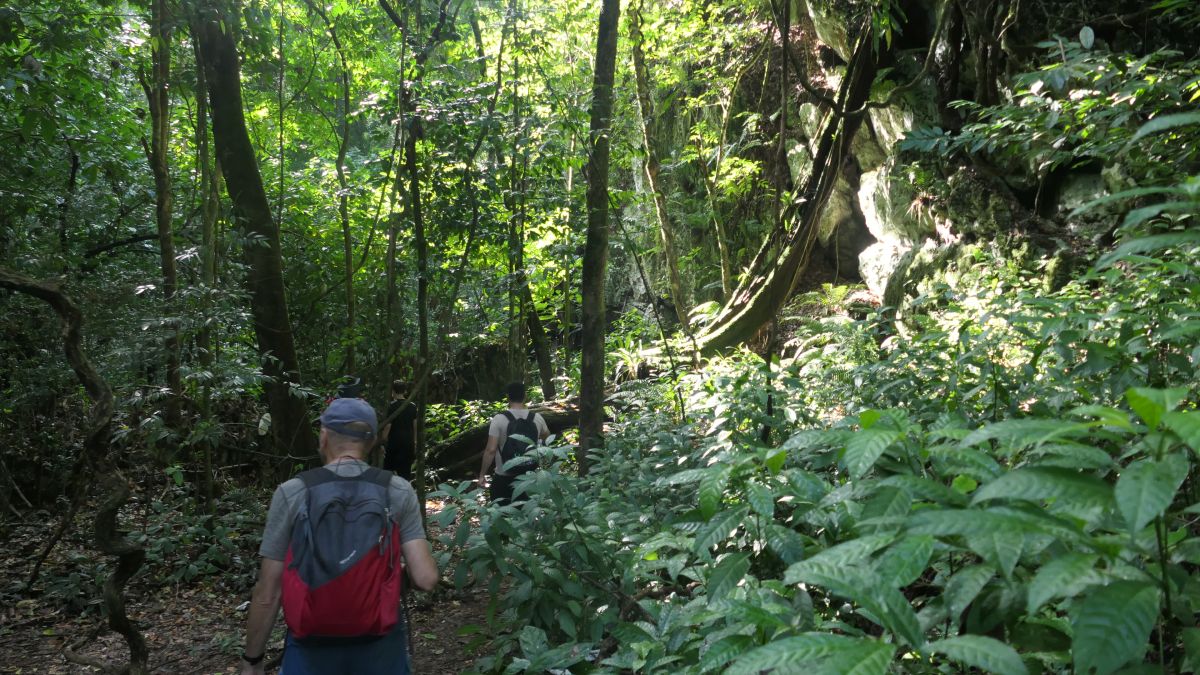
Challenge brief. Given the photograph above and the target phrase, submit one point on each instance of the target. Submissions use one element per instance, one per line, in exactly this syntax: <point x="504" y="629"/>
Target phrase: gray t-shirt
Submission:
<point x="499" y="429"/>
<point x="285" y="504"/>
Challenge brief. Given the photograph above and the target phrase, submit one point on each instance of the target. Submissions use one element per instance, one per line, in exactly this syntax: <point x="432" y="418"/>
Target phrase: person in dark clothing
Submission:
<point x="502" y="483"/>
<point x="400" y="435"/>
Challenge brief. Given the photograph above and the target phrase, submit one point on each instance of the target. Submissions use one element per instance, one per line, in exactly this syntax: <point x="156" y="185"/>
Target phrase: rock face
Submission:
<point x="868" y="225"/>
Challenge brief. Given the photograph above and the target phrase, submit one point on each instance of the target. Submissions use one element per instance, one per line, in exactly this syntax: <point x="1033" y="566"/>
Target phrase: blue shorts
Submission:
<point x="387" y="655"/>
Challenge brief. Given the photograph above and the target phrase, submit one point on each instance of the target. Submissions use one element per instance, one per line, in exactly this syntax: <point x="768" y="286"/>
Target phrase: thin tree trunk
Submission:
<point x="210" y="196"/>
<point x="159" y="102"/>
<point x="568" y="319"/>
<point x="64" y="208"/>
<point x="513" y="203"/>
<point x="652" y="165"/>
<point x="595" y="253"/>
<point x="437" y="35"/>
<point x="422" y="246"/>
<point x="348" y="361"/>
<point x="290" y="425"/>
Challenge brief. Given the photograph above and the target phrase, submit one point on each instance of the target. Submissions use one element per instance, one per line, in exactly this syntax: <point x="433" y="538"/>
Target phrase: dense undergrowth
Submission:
<point x="1002" y="490"/>
<point x="1001" y="482"/>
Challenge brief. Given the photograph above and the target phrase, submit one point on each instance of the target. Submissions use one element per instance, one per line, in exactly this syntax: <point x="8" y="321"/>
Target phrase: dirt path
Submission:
<point x="195" y="628"/>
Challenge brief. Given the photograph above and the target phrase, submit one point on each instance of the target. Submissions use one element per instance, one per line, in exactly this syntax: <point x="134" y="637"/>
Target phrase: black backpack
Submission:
<point x="522" y="435"/>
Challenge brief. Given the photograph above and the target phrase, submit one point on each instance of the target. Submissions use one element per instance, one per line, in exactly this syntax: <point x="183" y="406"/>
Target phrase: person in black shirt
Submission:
<point x="400" y="435"/>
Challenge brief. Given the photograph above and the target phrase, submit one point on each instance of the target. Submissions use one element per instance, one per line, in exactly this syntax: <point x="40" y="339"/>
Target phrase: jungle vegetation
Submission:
<point x="871" y="326"/>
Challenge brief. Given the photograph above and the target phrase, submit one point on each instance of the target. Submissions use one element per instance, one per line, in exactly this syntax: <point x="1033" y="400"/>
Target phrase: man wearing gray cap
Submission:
<point x="331" y="554"/>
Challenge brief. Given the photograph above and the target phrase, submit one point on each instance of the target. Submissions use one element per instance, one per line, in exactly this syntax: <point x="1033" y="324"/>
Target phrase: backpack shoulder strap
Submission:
<point x="377" y="476"/>
<point x="317" y="476"/>
<point x="511" y="418"/>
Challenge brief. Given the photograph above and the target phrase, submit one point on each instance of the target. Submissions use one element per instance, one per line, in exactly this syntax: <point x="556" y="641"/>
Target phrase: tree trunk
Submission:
<point x="595" y="252"/>
<point x="541" y="345"/>
<point x="422" y="246"/>
<point x="290" y="425"/>
<point x="348" y="360"/>
<point x="210" y="202"/>
<point x="159" y="102"/>
<point x="652" y="165"/>
<point x="757" y="300"/>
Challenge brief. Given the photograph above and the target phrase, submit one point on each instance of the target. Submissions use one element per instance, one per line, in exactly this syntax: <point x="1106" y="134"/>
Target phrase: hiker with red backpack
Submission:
<point x="511" y="434"/>
<point x="331" y="555"/>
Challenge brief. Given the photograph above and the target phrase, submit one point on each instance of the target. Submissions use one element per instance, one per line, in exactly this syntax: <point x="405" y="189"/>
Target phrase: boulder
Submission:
<point x="879" y="261"/>
<point x="885" y="200"/>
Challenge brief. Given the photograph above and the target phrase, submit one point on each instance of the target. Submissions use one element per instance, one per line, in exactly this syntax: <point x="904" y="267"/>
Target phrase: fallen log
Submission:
<point x="458" y="456"/>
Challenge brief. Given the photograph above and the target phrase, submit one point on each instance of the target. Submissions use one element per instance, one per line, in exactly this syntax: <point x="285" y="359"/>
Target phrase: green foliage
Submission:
<point x="1007" y="489"/>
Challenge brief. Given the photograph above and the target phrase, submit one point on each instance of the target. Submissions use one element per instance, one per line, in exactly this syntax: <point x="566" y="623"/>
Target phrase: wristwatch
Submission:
<point x="253" y="660"/>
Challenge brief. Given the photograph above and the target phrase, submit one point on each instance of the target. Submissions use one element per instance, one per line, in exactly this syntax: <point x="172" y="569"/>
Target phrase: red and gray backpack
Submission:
<point x="342" y="573"/>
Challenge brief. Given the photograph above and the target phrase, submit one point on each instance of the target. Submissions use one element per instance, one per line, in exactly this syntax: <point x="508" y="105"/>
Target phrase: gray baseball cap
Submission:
<point x="343" y="411"/>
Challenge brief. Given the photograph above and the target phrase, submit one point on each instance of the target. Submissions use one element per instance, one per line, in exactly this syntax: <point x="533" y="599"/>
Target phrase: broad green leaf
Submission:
<point x="1000" y="546"/>
<point x="894" y="612"/>
<point x="1191" y="649"/>
<point x="533" y="641"/>
<point x="1062" y="577"/>
<point x="1165" y="123"/>
<point x="887" y="501"/>
<point x="866" y="661"/>
<point x="1140" y="245"/>
<point x="723" y="651"/>
<point x="762" y="500"/>
<point x="786" y="543"/>
<point x="841" y="555"/>
<point x="952" y="522"/>
<point x="964" y="485"/>
<point x="1038" y="484"/>
<point x="776" y="617"/>
<point x="712" y="490"/>
<point x="1152" y="404"/>
<point x="1124" y="195"/>
<point x="1147" y="487"/>
<point x="928" y="490"/>
<point x="1142" y="214"/>
<point x="964" y="586"/>
<point x="686" y="476"/>
<point x="817" y="653"/>
<point x="1185" y="425"/>
<point x="978" y="651"/>
<point x="904" y="561"/>
<point x="1110" y="416"/>
<point x="1112" y="624"/>
<point x="868" y="418"/>
<point x="978" y="465"/>
<point x="1025" y="432"/>
<point x="718" y="529"/>
<point x="865" y="448"/>
<point x="846" y="580"/>
<point x="726" y="575"/>
<point x="1071" y="455"/>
